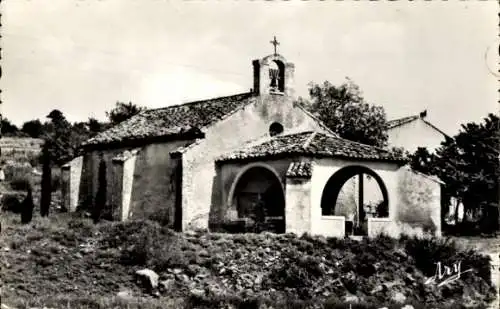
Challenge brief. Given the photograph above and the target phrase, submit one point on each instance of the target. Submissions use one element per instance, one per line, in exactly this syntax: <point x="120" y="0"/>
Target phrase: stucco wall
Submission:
<point x="298" y="205"/>
<point x="116" y="187"/>
<point x="325" y="168"/>
<point x="154" y="185"/>
<point x="249" y="123"/>
<point x="415" y="134"/>
<point x="89" y="179"/>
<point x="71" y="176"/>
<point x="65" y="187"/>
<point x="419" y="208"/>
<point x="149" y="182"/>
<point x="123" y="177"/>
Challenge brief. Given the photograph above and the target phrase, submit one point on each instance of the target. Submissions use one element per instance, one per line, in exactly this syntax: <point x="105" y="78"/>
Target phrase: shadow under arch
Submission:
<point x="258" y="194"/>
<point x="335" y="183"/>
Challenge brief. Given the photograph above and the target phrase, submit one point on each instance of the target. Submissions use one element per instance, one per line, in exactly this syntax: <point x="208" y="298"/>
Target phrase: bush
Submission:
<point x="20" y="184"/>
<point x="15" y="171"/>
<point x="146" y="243"/>
<point x="11" y="202"/>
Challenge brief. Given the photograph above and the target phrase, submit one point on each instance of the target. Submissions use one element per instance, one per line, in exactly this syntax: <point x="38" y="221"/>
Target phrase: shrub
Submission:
<point x="15" y="170"/>
<point x="162" y="216"/>
<point x="21" y="183"/>
<point x="10" y="202"/>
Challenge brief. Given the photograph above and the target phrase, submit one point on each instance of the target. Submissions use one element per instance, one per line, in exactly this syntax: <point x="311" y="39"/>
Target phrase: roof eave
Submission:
<point x="138" y="142"/>
<point x="278" y="156"/>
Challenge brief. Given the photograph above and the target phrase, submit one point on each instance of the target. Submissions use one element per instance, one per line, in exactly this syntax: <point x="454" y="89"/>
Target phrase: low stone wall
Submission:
<point x="330" y="226"/>
<point x="377" y="226"/>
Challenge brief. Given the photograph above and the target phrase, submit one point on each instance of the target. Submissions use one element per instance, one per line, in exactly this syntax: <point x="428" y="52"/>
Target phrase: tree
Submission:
<point x="468" y="164"/>
<point x="46" y="184"/>
<point x="8" y="128"/>
<point x="423" y="161"/>
<point x="344" y="110"/>
<point x="123" y="111"/>
<point x="33" y="128"/>
<point x="59" y="137"/>
<point x="94" y="126"/>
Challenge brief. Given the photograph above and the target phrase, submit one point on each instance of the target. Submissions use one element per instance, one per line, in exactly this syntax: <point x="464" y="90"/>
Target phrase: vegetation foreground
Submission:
<point x="68" y="262"/>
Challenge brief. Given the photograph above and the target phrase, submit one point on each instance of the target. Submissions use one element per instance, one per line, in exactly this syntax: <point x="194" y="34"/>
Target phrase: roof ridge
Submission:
<point x="198" y="101"/>
<point x="321" y="123"/>
<point x="358" y="143"/>
<point x="309" y="140"/>
<point x="401" y="118"/>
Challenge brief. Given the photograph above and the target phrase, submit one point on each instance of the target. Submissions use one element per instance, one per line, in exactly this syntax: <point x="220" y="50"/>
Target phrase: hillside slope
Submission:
<point x="71" y="259"/>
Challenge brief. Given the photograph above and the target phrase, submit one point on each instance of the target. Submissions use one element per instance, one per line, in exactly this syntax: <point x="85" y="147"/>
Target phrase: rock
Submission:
<point x="390" y="284"/>
<point x="148" y="278"/>
<point x="408" y="307"/>
<point x="203" y="253"/>
<point x="193" y="269"/>
<point x="177" y="271"/>
<point x="349" y="298"/>
<point x="401" y="253"/>
<point x="166" y="285"/>
<point x="398" y="297"/>
<point x="124" y="294"/>
<point x="378" y="288"/>
<point x="258" y="280"/>
<point x="197" y="292"/>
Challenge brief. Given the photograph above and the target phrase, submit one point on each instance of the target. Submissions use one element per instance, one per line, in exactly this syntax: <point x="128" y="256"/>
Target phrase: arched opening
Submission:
<point x="275" y="128"/>
<point x="357" y="193"/>
<point x="259" y="200"/>
<point x="277" y="76"/>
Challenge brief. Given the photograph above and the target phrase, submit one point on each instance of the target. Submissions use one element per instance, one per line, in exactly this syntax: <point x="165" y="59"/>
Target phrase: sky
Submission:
<point x="82" y="56"/>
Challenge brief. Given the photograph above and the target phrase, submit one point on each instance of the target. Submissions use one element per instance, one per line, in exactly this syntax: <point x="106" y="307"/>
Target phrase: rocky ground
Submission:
<point x="66" y="260"/>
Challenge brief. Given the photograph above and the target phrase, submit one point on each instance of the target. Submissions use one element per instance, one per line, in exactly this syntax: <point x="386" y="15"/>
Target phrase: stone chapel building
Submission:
<point x="254" y="161"/>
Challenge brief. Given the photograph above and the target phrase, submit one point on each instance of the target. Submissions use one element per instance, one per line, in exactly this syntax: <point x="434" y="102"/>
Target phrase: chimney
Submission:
<point x="423" y="114"/>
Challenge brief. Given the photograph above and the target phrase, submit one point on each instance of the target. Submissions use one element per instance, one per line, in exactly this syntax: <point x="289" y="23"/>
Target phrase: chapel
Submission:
<point x="255" y="161"/>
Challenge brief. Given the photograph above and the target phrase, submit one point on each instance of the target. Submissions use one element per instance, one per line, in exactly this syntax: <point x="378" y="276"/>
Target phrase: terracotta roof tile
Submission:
<point x="310" y="143"/>
<point x="172" y="120"/>
<point x="299" y="169"/>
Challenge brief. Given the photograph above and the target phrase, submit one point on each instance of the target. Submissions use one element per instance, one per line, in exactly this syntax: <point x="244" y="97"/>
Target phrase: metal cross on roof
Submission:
<point x="275" y="43"/>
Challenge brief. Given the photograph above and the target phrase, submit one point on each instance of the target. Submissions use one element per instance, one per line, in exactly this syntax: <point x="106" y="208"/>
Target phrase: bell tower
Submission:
<point x="273" y="75"/>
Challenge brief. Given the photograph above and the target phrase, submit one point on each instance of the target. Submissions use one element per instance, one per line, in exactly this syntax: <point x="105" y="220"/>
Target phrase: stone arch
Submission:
<point x="258" y="195"/>
<point x="334" y="185"/>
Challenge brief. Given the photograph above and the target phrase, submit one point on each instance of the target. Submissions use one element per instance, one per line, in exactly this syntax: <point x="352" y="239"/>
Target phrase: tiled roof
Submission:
<point x="391" y="124"/>
<point x="311" y="144"/>
<point x="299" y="169"/>
<point x="171" y="120"/>
<point x="401" y="121"/>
